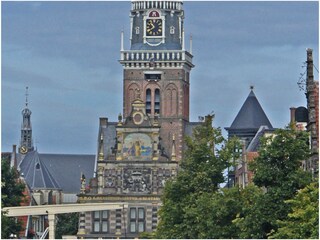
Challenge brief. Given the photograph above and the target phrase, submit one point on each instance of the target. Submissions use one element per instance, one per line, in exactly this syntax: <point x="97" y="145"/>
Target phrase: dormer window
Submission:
<point x="137" y="30"/>
<point x="37" y="166"/>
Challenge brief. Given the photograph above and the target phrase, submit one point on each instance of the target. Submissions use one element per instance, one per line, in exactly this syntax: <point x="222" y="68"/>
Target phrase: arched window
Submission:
<point x="157" y="101"/>
<point x="148" y="101"/>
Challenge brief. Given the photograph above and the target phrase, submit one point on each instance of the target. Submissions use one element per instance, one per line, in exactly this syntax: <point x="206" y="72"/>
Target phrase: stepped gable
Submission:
<point x="36" y="173"/>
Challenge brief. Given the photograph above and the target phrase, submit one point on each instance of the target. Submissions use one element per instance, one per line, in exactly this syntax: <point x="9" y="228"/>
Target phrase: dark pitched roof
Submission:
<point x="67" y="169"/>
<point x="251" y="115"/>
<point x="36" y="174"/>
<point x="64" y="170"/>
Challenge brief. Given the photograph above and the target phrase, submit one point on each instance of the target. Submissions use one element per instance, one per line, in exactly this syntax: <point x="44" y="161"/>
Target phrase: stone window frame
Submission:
<point x="99" y="218"/>
<point x="137" y="217"/>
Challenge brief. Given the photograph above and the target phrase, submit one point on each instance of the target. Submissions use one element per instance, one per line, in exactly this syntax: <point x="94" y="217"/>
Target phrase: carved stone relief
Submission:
<point x="137" y="180"/>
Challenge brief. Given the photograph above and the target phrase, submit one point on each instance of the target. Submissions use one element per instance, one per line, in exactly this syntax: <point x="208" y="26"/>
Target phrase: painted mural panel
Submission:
<point x="137" y="146"/>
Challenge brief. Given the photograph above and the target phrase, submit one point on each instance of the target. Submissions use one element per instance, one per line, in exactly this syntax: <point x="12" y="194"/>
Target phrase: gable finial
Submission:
<point x="251" y="87"/>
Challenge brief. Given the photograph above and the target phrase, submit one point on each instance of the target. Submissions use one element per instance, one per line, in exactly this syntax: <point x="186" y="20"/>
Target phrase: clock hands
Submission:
<point x="152" y="25"/>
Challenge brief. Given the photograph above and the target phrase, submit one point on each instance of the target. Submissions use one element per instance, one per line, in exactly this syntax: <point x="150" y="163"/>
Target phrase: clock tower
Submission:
<point x="158" y="65"/>
<point x="137" y="154"/>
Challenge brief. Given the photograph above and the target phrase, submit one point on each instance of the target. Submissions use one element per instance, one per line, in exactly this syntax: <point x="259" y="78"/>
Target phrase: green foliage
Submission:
<point x="147" y="235"/>
<point x="277" y="171"/>
<point x="11" y="195"/>
<point x="67" y="224"/>
<point x="279" y="160"/>
<point x="195" y="207"/>
<point x="186" y="197"/>
<point x="303" y="218"/>
<point x="11" y="188"/>
<point x="211" y="214"/>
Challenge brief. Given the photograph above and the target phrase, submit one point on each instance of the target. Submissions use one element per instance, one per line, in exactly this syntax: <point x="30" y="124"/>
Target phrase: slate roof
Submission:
<point x="58" y="171"/>
<point x="251" y="115"/>
<point x="36" y="173"/>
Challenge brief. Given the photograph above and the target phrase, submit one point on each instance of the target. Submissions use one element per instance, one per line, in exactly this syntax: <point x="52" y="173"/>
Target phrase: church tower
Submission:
<point x="158" y="66"/>
<point x="26" y="143"/>
<point x="137" y="154"/>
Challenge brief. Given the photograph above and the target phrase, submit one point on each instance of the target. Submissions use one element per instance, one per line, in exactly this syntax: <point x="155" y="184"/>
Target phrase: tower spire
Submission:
<point x="27" y="94"/>
<point x="26" y="129"/>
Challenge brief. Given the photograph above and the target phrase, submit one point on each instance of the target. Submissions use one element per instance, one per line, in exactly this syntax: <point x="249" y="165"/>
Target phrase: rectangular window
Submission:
<point x="141" y="213"/>
<point x="152" y="77"/>
<point x="133" y="227"/>
<point x="96" y="214"/>
<point x="96" y="226"/>
<point x="141" y="227"/>
<point x="105" y="214"/>
<point x="100" y="221"/>
<point x="104" y="226"/>
<point x="137" y="220"/>
<point x="132" y="213"/>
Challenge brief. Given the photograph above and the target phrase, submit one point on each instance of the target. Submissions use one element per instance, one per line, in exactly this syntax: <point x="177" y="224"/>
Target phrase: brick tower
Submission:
<point x="158" y="66"/>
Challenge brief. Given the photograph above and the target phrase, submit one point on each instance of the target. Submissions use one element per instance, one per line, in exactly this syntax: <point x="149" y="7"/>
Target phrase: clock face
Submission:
<point x="154" y="27"/>
<point x="23" y="149"/>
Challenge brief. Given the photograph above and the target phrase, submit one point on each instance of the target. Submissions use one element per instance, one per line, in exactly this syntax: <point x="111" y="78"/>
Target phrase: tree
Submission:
<point x="11" y="195"/>
<point x="200" y="174"/>
<point x="212" y="214"/>
<point x="67" y="224"/>
<point x="277" y="171"/>
<point x="303" y="218"/>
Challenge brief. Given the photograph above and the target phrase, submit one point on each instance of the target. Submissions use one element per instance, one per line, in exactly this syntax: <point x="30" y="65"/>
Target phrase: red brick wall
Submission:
<point x="174" y="102"/>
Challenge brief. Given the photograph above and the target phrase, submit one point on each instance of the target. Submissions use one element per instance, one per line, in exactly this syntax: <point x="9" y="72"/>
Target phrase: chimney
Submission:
<point x="103" y="122"/>
<point x="292" y="114"/>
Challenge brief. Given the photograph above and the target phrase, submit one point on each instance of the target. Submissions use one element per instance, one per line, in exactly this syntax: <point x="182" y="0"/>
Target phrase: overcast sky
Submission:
<point x="67" y="54"/>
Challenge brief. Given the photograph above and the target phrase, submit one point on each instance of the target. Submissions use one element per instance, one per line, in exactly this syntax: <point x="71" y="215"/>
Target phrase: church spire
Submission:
<point x="26" y="129"/>
<point x="27" y="94"/>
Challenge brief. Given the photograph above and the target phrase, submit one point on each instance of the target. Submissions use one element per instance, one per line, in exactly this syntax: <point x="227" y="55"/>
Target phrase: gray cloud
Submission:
<point x="68" y="52"/>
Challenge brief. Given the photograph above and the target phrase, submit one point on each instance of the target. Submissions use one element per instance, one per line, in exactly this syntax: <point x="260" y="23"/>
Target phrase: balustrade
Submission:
<point x="174" y="55"/>
<point x="170" y="5"/>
